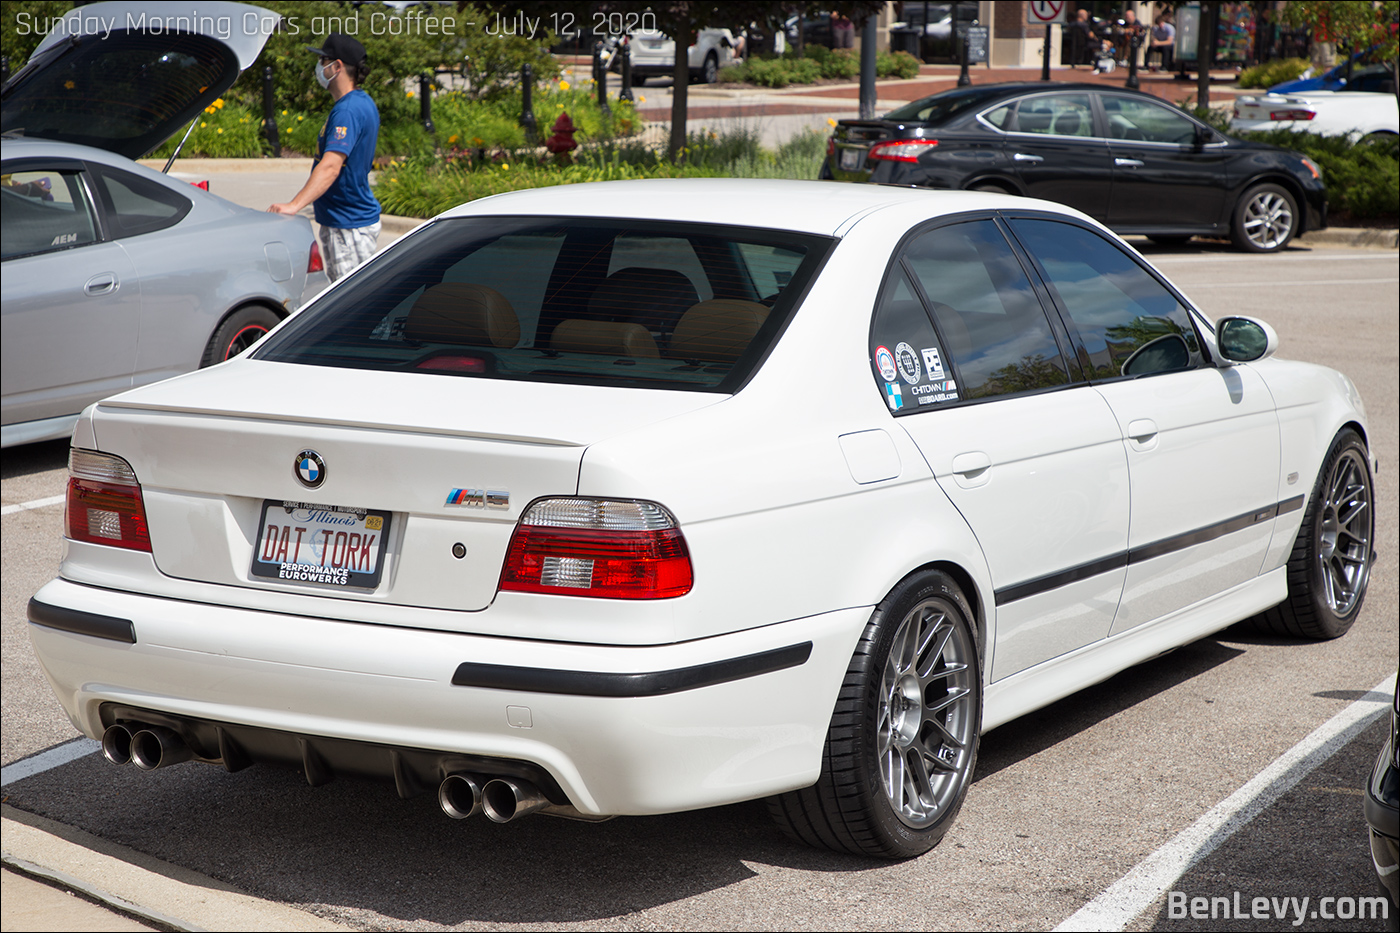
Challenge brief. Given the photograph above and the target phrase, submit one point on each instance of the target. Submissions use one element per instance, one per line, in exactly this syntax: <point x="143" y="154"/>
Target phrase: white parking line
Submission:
<point x="1277" y="257"/>
<point x="46" y="760"/>
<point x="1136" y="891"/>
<point x="1329" y="282"/>
<point x="32" y="504"/>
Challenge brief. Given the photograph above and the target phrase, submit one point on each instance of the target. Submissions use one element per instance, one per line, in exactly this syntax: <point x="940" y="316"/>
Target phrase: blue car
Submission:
<point x="1365" y="76"/>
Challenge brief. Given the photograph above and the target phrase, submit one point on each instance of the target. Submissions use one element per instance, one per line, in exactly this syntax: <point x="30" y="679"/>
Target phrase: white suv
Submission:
<point x="654" y="55"/>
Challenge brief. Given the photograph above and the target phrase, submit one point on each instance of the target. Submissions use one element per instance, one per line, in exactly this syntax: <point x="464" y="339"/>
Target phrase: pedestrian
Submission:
<point x="1081" y="39"/>
<point x="1163" y="41"/>
<point x="338" y="188"/>
<point x="1133" y="33"/>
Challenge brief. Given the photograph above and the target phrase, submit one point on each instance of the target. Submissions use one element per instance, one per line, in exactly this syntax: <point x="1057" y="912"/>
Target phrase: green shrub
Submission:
<point x="1268" y="74"/>
<point x="1363" y="179"/>
<point x="896" y="64"/>
<point x="223" y="131"/>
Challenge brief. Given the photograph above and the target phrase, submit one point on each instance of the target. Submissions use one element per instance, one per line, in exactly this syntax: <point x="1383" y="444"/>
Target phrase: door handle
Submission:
<point x="1128" y="163"/>
<point x="1142" y="430"/>
<point x="971" y="464"/>
<point x="102" y="283"/>
<point x="1023" y="157"/>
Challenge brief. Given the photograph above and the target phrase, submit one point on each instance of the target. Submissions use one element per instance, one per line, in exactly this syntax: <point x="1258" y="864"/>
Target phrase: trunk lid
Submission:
<point x="449" y="462"/>
<point x="125" y="77"/>
<point x="851" y="143"/>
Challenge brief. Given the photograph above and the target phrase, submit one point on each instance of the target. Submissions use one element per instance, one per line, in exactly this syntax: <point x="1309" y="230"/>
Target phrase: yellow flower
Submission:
<point x="642" y="98"/>
<point x="563" y="85"/>
<point x="408" y="93"/>
<point x="476" y="140"/>
<point x="219" y="103"/>
<point x="284" y="113"/>
<point x="452" y="138"/>
<point x="221" y="132"/>
<point x="505" y="166"/>
<point x="830" y="122"/>
<point x="300" y="118"/>
<point x="202" y="123"/>
<point x="69" y="85"/>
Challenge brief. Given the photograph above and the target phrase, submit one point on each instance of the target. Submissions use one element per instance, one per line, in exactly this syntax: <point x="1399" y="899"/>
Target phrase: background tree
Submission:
<point x="1358" y="26"/>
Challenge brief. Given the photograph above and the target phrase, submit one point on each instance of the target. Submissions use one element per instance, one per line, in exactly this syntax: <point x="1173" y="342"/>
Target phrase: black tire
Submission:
<point x="1330" y="566"/>
<point x="709" y="72"/>
<point x="824" y="173"/>
<point x="638" y="80"/>
<point x="1174" y="239"/>
<point x="239" y="331"/>
<point x="1265" y="219"/>
<point x="877" y="794"/>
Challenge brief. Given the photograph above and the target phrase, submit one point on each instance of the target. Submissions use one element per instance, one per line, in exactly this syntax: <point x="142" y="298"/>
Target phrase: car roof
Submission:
<point x="821" y="207"/>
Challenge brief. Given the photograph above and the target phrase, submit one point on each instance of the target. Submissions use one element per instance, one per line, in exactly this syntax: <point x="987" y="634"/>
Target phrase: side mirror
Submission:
<point x="1203" y="136"/>
<point x="1244" y="339"/>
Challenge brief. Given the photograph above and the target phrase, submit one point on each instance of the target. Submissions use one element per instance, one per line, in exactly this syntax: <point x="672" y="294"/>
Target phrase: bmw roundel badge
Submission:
<point x="310" y="469"/>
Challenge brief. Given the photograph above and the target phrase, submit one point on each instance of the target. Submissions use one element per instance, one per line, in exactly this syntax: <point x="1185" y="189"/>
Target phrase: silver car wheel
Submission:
<point x="1344" y="534"/>
<point x="926" y="716"/>
<point x="1268" y="220"/>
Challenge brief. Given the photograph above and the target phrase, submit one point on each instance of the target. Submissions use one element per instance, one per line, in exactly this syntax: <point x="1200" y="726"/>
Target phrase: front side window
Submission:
<point x="992" y="337"/>
<point x="1140" y="120"/>
<point x="44" y="210"/>
<point x="604" y="302"/>
<point x="1128" y="323"/>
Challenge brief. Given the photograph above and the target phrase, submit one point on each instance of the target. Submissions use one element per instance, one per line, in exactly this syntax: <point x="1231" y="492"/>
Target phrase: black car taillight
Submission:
<point x="104" y="504"/>
<point x="901" y="150"/>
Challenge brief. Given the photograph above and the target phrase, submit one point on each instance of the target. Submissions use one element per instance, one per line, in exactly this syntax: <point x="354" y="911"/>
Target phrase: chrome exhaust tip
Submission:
<point x="116" y="744"/>
<point x="459" y="796"/>
<point x="506" y="799"/>
<point x="156" y="746"/>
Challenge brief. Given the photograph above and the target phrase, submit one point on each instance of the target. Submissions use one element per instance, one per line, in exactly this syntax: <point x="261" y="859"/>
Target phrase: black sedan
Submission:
<point x="1126" y="158"/>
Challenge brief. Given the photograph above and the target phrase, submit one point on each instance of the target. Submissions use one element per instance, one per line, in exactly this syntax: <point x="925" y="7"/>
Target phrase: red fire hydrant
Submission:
<point x="562" y="143"/>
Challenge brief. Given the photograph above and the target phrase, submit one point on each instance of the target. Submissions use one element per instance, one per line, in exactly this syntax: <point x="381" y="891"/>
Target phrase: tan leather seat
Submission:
<point x="463" y="313"/>
<point x="718" y="330"/>
<point x="609" y="338"/>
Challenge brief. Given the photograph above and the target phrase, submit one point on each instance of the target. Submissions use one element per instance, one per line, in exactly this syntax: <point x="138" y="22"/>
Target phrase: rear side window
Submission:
<point x="1127" y="323"/>
<point x="606" y="302"/>
<point x="993" y="335"/>
<point x="136" y="205"/>
<point x="43" y="210"/>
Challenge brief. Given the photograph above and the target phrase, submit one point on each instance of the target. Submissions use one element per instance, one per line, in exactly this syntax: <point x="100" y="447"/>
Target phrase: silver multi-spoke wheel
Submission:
<point x="1330" y="565"/>
<point x="1266" y="219"/>
<point x="902" y="745"/>
<point x="1344" y="529"/>
<point x="925" y="718"/>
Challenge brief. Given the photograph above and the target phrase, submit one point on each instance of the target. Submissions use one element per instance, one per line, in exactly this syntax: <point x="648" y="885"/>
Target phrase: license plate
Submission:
<point x="851" y="159"/>
<point x="326" y="545"/>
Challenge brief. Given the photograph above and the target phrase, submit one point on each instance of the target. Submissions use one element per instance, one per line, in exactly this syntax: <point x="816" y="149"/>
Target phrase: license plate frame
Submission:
<point x="356" y="538"/>
<point x="851" y="158"/>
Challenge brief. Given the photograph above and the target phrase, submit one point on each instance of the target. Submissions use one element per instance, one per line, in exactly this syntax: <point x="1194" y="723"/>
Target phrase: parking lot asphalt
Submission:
<point x="116" y="887"/>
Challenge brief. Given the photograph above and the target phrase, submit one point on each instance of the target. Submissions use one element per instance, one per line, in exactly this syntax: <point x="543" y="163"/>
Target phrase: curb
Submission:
<point x="1355" y="237"/>
<point x="132" y="882"/>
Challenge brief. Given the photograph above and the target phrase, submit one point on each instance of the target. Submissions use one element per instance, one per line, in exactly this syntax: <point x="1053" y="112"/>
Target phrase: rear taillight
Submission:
<point x="1293" y="114"/>
<point x="104" y="502"/>
<point x="201" y="184"/>
<point x="901" y="150"/>
<point x="830" y="146"/>
<point x="314" y="264"/>
<point x="617" y="549"/>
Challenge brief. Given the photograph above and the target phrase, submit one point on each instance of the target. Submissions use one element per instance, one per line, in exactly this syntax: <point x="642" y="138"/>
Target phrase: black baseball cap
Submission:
<point x="341" y="47"/>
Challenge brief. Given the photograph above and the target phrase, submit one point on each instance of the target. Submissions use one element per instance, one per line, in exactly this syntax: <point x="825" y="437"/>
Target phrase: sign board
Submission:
<point x="1044" y="12"/>
<point x="979" y="39"/>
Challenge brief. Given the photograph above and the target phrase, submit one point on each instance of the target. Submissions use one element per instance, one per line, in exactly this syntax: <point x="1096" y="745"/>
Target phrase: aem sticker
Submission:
<point x="908" y="363"/>
<point x="884" y="362"/>
<point x="933" y="362"/>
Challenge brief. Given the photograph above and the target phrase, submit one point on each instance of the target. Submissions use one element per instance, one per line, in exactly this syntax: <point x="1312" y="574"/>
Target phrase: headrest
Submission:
<point x="653" y="297"/>
<point x="463" y="313"/>
<point x="605" y="337"/>
<point x="719" y="330"/>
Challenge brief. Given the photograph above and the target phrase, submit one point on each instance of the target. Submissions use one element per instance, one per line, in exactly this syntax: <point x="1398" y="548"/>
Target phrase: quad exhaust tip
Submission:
<point x="156" y="747"/>
<point x="459" y="796"/>
<point x="506" y="799"/>
<point x="116" y="744"/>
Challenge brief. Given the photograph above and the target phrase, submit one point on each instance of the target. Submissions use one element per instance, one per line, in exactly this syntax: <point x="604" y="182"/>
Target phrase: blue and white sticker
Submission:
<point x="933" y="362"/>
<point x="908" y="363"/>
<point x="884" y="362"/>
<point x="894" y="396"/>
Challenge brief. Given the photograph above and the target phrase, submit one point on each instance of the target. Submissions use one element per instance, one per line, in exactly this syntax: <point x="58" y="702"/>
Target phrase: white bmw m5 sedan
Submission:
<point x="555" y="507"/>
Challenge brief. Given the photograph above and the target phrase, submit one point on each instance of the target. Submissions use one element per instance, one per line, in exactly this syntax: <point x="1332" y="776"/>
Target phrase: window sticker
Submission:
<point x="933" y="363"/>
<point x="884" y="362"/>
<point x="908" y="363"/>
<point x="936" y="390"/>
<point x="894" y="396"/>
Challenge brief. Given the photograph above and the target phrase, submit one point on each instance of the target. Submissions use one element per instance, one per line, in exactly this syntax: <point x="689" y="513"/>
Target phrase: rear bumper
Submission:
<point x="618" y="730"/>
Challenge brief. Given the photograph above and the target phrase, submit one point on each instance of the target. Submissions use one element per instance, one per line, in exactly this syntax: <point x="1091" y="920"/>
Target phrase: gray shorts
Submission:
<point x="342" y="249"/>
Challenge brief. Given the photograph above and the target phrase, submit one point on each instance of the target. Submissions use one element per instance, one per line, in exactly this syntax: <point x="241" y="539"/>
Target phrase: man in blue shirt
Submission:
<point x="345" y="207"/>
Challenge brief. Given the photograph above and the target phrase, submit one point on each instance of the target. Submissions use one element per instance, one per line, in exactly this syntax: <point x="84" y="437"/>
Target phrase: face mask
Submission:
<point x="322" y="78"/>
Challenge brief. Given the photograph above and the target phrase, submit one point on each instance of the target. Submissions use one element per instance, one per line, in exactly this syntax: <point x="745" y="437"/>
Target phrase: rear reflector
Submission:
<point x="616" y="549"/>
<point x="104" y="502"/>
<point x="314" y="264"/>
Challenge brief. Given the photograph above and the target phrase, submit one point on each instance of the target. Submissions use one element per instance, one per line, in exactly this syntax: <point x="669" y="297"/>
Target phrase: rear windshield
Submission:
<point x="945" y="105"/>
<point x="601" y="302"/>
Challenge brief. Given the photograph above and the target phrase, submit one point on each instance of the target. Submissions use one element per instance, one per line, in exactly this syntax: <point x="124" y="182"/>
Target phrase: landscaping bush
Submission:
<point x="1363" y="179"/>
<point x="1270" y="73"/>
<point x="896" y="64"/>
<point x="223" y="131"/>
